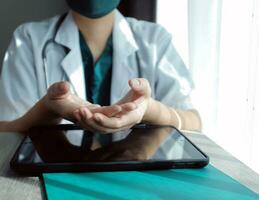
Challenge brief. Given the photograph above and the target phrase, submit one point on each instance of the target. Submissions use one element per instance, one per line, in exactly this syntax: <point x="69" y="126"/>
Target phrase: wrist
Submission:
<point x="160" y="114"/>
<point x="149" y="113"/>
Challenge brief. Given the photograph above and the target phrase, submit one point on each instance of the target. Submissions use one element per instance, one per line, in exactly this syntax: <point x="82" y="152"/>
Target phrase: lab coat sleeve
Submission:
<point x="173" y="83"/>
<point x="18" y="85"/>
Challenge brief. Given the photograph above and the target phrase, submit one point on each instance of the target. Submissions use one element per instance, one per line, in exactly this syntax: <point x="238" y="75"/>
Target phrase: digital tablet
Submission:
<point x="68" y="148"/>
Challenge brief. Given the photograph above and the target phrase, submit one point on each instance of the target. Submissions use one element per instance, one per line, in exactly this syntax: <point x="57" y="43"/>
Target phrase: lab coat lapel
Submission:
<point x="124" y="62"/>
<point x="124" y="48"/>
<point x="72" y="64"/>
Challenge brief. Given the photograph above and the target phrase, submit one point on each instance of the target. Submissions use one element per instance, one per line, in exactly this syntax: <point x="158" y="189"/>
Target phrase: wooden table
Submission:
<point x="14" y="187"/>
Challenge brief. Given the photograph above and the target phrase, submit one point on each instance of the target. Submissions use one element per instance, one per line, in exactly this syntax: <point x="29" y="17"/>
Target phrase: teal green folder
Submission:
<point x="190" y="184"/>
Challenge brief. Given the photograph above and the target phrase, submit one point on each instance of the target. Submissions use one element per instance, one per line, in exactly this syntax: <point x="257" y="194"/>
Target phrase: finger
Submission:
<point x="109" y="111"/>
<point x="86" y="117"/>
<point x="92" y="106"/>
<point x="88" y="123"/>
<point x="77" y="115"/>
<point x="140" y="85"/>
<point x="136" y="84"/>
<point x="58" y="90"/>
<point x="94" y="125"/>
<point x="99" y="128"/>
<point x="126" y="108"/>
<point x="85" y="114"/>
<point x="113" y="122"/>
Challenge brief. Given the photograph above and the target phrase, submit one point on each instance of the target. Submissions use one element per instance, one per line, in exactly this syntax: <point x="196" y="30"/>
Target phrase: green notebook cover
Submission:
<point x="190" y="184"/>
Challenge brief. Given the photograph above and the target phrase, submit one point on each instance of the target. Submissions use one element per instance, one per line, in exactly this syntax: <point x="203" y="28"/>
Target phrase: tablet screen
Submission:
<point x="70" y="144"/>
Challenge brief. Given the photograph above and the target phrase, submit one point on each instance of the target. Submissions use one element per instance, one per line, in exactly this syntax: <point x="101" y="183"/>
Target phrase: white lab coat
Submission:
<point x="141" y="49"/>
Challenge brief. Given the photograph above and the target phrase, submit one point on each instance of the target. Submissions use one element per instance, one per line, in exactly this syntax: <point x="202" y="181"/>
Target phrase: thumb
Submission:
<point x="59" y="90"/>
<point x="140" y="85"/>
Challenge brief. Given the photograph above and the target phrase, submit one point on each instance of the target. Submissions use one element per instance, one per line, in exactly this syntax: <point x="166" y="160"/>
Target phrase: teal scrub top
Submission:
<point x="97" y="75"/>
<point x="98" y="79"/>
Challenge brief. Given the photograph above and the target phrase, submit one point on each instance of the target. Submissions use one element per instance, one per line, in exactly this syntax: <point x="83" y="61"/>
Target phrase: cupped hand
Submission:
<point x="61" y="103"/>
<point x="134" y="104"/>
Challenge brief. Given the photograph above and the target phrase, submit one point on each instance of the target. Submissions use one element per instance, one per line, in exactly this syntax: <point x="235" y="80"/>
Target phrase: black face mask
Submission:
<point x="93" y="8"/>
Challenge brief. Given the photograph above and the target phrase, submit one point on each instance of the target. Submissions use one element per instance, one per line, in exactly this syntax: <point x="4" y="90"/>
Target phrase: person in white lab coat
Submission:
<point x="148" y="80"/>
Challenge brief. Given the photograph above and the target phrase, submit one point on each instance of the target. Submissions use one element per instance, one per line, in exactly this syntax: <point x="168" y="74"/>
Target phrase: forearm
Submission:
<point x="11" y="126"/>
<point x="158" y="113"/>
<point x="37" y="115"/>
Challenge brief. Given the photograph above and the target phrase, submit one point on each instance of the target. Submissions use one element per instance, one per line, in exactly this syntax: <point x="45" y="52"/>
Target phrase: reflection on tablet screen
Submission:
<point x="60" y="146"/>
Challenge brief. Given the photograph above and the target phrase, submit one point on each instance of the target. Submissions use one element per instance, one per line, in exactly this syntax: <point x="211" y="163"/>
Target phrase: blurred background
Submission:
<point x="219" y="42"/>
